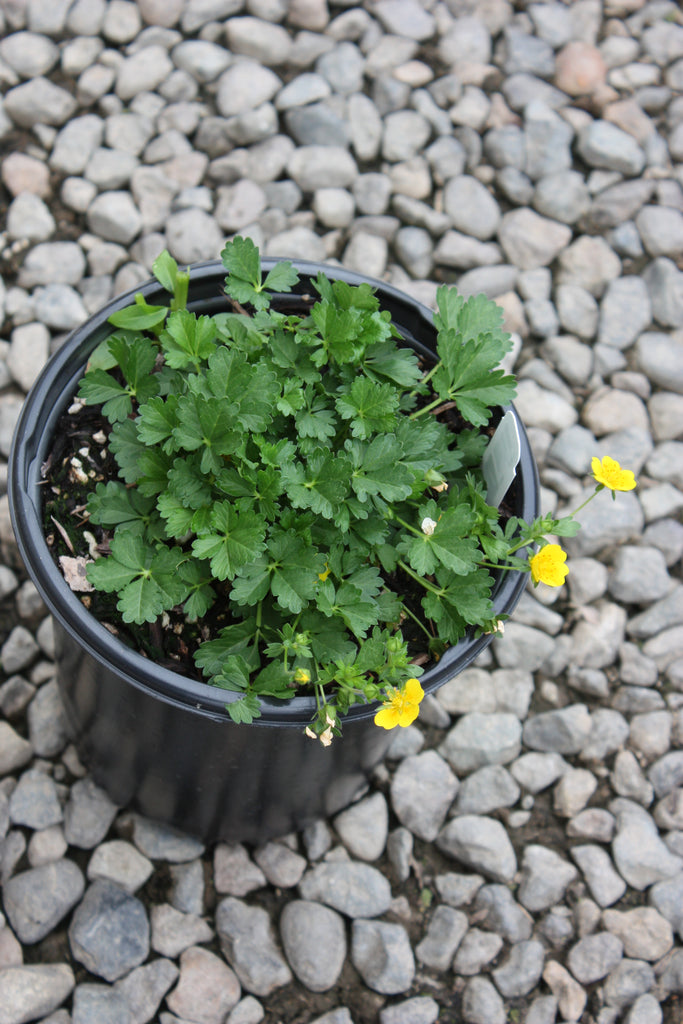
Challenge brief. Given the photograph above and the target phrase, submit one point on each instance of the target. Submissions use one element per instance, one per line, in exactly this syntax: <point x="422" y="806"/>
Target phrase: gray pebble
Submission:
<point x="35" y="901"/>
<point x="173" y="931"/>
<point x="354" y="889"/>
<point x="480" y="739"/>
<point x="481" y="1003"/>
<point x="109" y="931"/>
<point x="234" y="871"/>
<point x="661" y="230"/>
<point x="660" y="357"/>
<point x="639" y="854"/>
<point x="497" y="909"/>
<point x="187" y="893"/>
<point x="630" y="979"/>
<point x="595" y="956"/>
<point x="520" y="973"/>
<point x="114" y="217"/>
<point x="471" y="207"/>
<point x="486" y="790"/>
<point x="645" y="933"/>
<point x="444" y="934"/>
<point x="562" y="196"/>
<point x="422" y="790"/>
<point x="15" y="751"/>
<point x="545" y="877"/>
<point x="39" y="101"/>
<point x="645" y="1010"/>
<point x="381" y="954"/>
<point x="531" y="241"/>
<point x="477" y="949"/>
<point x="364" y="827"/>
<point x="664" y="283"/>
<point x="32" y="991"/>
<point x="480" y="843"/>
<point x="306" y="928"/>
<point x="87" y="815"/>
<point x="34" y="801"/>
<point x="248" y="945"/>
<point x="562" y="732"/>
<point x="605" y="884"/>
<point x="159" y="842"/>
<point x="119" y="862"/>
<point x="99" y="1003"/>
<point x="418" y="1010"/>
<point x="207" y="988"/>
<point x="601" y="144"/>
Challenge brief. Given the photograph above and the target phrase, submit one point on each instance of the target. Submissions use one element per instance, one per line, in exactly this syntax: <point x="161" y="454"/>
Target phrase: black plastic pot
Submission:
<point x="163" y="743"/>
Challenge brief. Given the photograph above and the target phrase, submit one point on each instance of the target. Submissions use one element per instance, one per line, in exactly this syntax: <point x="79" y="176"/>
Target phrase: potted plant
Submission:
<point x="267" y="498"/>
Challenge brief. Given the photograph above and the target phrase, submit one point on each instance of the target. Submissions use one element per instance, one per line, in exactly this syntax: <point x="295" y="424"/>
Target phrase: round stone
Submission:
<point x="306" y="928"/>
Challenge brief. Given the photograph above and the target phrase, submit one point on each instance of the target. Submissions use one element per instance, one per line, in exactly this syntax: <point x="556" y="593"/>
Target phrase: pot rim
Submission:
<point x="46" y="401"/>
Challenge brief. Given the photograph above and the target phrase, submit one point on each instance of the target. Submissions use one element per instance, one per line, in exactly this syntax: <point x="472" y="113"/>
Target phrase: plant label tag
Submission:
<point x="500" y="459"/>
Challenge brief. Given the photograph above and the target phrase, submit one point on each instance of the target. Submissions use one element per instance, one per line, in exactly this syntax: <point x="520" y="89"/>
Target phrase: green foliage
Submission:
<point x="282" y="468"/>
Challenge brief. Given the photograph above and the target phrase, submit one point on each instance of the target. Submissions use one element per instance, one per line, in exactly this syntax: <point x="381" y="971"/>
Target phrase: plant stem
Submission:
<point x="427" y="408"/>
<point x="427" y="377"/>
<point x="417" y="622"/>
<point x="419" y="579"/>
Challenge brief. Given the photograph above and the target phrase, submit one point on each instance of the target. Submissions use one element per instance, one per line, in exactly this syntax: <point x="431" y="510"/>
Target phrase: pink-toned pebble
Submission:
<point x="579" y="68"/>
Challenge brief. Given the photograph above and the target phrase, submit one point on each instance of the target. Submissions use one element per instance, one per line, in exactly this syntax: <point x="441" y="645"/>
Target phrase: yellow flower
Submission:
<point x="547" y="565"/>
<point x="403" y="706"/>
<point x="301" y="676"/>
<point x="609" y="473"/>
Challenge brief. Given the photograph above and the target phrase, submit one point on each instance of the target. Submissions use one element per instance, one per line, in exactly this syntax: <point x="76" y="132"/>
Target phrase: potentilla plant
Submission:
<point x="304" y="490"/>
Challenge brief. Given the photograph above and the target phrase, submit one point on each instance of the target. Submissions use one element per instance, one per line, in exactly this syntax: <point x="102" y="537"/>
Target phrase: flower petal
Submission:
<point x="413" y="691"/>
<point x="387" y="717"/>
<point x="408" y="714"/>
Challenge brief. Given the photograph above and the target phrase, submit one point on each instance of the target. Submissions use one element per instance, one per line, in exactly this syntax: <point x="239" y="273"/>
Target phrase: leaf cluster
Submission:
<point x="281" y="466"/>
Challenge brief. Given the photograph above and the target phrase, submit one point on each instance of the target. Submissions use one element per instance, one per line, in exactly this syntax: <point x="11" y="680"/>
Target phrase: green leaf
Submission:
<point x="450" y="545"/>
<point x="370" y="406"/>
<point x="157" y="420"/>
<point x="153" y="466"/>
<point x="464" y="599"/>
<point x="294" y="569"/>
<point x="251" y="389"/>
<point x="178" y="518"/>
<point x="281" y="278"/>
<point x="112" y="504"/>
<point x="242" y="261"/>
<point x="188" y="483"/>
<point x="398" y="364"/>
<point x="316" y="420"/>
<point x="321" y="485"/>
<point x="470" y="345"/>
<point x="252" y="583"/>
<point x="237" y="537"/>
<point x="127" y="448"/>
<point x="165" y="270"/>
<point x="99" y="388"/>
<point x="212" y="654"/>
<point x="140" y="316"/>
<point x="377" y="468"/>
<point x="145" y="579"/>
<point x="188" y="339"/>
<point x="206" y="424"/>
<point x="245" y="709"/>
<point x="347" y="603"/>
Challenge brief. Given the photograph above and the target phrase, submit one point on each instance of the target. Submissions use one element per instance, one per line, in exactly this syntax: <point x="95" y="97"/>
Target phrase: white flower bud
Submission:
<point x="428" y="526"/>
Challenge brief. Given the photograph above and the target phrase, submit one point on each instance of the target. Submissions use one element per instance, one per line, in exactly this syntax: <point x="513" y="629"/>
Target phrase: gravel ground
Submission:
<point x="519" y="858"/>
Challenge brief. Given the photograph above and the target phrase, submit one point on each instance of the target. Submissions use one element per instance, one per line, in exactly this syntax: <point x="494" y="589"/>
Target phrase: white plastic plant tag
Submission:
<point x="500" y="459"/>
